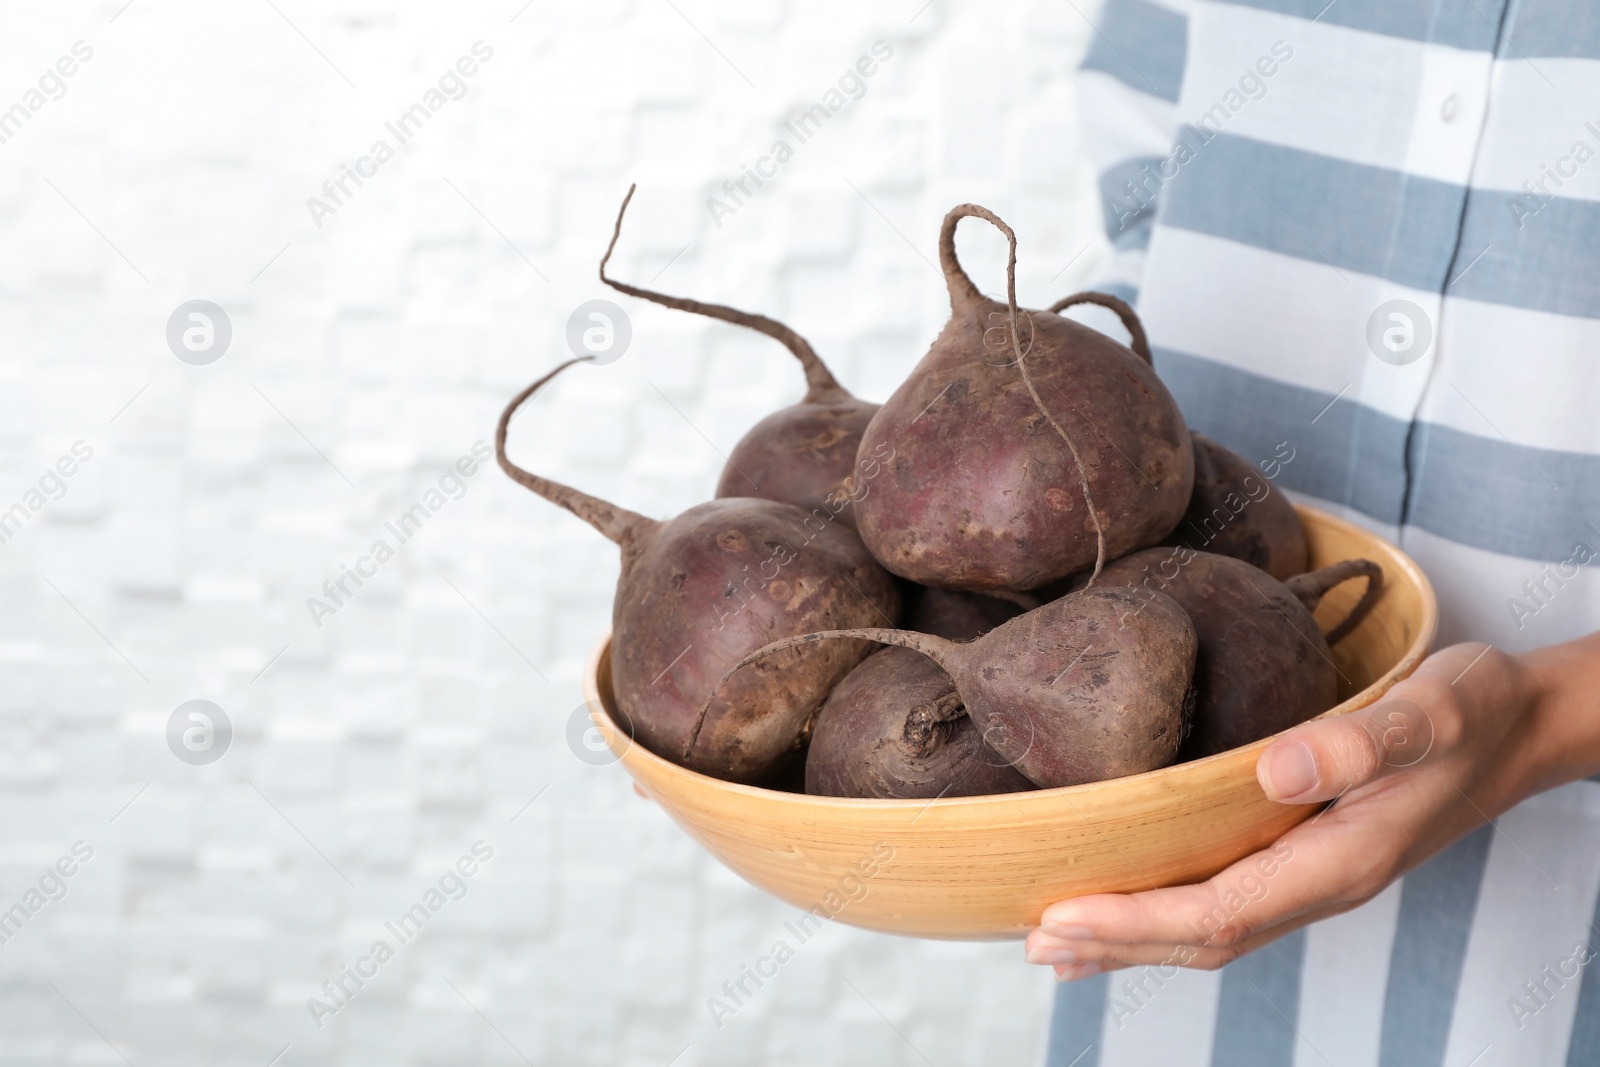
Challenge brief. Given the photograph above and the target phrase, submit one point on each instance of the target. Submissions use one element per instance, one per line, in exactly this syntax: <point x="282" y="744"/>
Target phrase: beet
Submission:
<point x="803" y="454"/>
<point x="1263" y="666"/>
<point x="986" y="489"/>
<point x="1234" y="511"/>
<point x="1091" y="686"/>
<point x="699" y="592"/>
<point x="959" y="616"/>
<point x="895" y="728"/>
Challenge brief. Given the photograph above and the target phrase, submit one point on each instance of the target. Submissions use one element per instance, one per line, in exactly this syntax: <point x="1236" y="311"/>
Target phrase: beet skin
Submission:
<point x="1094" y="685"/>
<point x="698" y="592"/>
<point x="986" y="491"/>
<point x="1263" y="666"/>
<point x="896" y="728"/>
<point x="1235" y="511"/>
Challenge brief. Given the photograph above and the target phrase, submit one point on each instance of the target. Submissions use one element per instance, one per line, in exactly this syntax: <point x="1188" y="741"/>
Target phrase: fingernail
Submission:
<point x="1073" y="972"/>
<point x="1054" y="955"/>
<point x="1291" y="770"/>
<point x="1067" y="932"/>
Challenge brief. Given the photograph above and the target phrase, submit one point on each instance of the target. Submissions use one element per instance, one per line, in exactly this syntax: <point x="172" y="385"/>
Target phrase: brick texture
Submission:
<point x="372" y="346"/>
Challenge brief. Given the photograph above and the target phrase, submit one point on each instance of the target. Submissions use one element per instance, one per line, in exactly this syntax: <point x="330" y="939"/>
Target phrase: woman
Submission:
<point x="1370" y="229"/>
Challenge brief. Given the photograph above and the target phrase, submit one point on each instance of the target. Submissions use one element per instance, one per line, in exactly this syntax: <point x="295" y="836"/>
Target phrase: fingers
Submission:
<point x="1421" y="716"/>
<point x="1319" y="761"/>
<point x="1324" y="759"/>
<point x="1332" y="863"/>
<point x="1072" y="960"/>
<point x="1343" y="856"/>
<point x="1093" y="957"/>
<point x="1217" y="912"/>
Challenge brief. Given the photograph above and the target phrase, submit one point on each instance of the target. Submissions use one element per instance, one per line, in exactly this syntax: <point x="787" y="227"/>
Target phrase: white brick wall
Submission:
<point x="375" y="750"/>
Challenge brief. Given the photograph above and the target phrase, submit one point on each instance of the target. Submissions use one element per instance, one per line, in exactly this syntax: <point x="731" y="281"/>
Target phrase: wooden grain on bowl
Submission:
<point x="985" y="867"/>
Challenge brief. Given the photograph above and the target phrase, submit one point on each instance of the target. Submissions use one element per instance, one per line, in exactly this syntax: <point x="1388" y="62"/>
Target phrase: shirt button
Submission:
<point x="1447" y="110"/>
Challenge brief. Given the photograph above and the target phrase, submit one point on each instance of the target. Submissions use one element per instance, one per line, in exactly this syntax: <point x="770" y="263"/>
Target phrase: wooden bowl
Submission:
<point x="985" y="867"/>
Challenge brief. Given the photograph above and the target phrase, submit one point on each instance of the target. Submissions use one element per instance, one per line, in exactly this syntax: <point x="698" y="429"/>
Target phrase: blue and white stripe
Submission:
<point x="1271" y="172"/>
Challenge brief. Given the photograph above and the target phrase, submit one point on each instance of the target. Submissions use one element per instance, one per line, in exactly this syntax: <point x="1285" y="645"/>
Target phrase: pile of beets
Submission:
<point x="1072" y="585"/>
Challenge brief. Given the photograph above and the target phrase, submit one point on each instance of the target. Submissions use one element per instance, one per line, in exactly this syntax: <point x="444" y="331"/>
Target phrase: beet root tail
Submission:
<point x="1313" y="586"/>
<point x="618" y="524"/>
<point x="1139" y="341"/>
<point x="820" y="382"/>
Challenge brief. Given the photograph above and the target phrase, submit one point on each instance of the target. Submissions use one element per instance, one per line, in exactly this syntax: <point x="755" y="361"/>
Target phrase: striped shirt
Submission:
<point x="1371" y="229"/>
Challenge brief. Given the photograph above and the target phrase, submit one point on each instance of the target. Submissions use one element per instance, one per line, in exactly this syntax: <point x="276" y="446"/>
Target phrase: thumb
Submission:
<point x="1320" y="760"/>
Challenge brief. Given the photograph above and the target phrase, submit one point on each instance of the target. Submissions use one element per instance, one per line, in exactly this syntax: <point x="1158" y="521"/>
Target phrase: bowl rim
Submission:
<point x="1171" y="775"/>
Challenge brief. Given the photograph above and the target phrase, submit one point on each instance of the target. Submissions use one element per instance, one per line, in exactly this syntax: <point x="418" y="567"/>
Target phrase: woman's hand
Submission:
<point x="1466" y="737"/>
